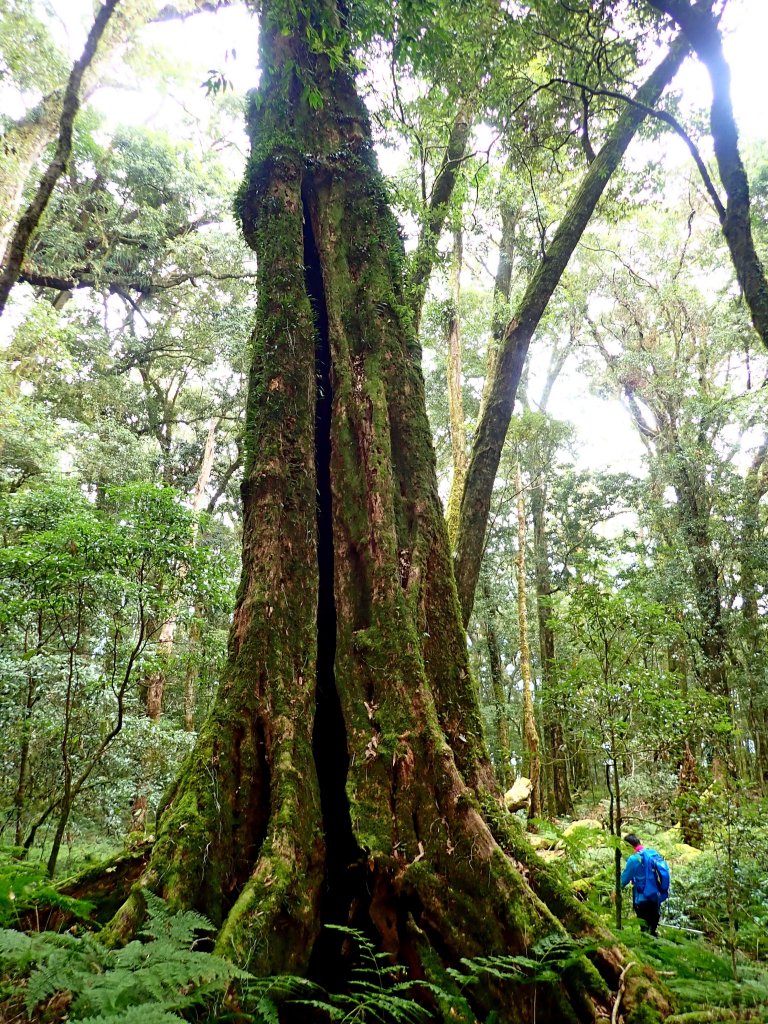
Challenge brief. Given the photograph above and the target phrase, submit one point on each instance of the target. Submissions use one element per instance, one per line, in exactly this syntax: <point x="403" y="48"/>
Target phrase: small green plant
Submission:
<point x="151" y="981"/>
<point x="377" y="990"/>
<point x="549" y="960"/>
<point x="25" y="886"/>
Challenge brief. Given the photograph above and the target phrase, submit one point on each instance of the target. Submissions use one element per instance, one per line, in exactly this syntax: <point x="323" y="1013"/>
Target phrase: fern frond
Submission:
<point x="136" y="1015"/>
<point x="180" y="928"/>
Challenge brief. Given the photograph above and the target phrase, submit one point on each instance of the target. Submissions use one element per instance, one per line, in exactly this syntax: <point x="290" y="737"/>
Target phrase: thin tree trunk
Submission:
<point x="22" y="785"/>
<point x="502" y="286"/>
<point x="492" y="428"/>
<point x="24" y="141"/>
<point x="423" y="260"/>
<point x="166" y="640"/>
<point x="561" y="802"/>
<point x="755" y="488"/>
<point x="498" y="692"/>
<point x="27" y="225"/>
<point x="700" y="26"/>
<point x="532" y="766"/>
<point x="455" y="398"/>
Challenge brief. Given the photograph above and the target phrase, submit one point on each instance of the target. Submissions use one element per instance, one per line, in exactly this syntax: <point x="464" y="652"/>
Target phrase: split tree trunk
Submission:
<point x="342" y="775"/>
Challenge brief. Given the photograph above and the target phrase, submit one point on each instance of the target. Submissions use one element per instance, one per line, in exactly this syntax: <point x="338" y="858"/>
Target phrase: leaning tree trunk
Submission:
<point x="342" y="773"/>
<point x="500" y="393"/>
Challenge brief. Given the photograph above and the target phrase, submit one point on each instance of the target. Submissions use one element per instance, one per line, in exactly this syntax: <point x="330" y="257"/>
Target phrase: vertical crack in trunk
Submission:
<point x="329" y="740"/>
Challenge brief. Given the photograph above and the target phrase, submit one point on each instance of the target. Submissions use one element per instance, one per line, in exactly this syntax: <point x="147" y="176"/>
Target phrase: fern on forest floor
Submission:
<point x="58" y="976"/>
<point x="149" y="982"/>
<point x="24" y="885"/>
<point x="698" y="975"/>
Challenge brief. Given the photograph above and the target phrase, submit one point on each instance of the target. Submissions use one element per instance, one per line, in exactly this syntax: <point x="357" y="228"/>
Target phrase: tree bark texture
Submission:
<point x="700" y="26"/>
<point x="342" y="777"/>
<point x="492" y="428"/>
<point x="17" y="246"/>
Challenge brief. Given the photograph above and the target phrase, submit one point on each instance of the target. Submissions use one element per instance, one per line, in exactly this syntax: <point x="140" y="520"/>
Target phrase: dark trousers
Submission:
<point x="648" y="911"/>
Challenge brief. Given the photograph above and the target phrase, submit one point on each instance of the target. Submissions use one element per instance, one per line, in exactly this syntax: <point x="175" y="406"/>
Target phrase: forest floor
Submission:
<point x="714" y="964"/>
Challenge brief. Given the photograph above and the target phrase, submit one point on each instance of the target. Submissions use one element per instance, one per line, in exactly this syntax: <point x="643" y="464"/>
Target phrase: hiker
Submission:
<point x="648" y="872"/>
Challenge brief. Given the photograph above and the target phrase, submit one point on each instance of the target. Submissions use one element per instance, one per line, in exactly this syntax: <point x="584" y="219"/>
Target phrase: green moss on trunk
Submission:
<point x="399" y="845"/>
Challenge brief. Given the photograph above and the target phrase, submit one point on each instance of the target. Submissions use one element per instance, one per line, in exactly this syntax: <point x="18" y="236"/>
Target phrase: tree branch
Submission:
<point x="70" y="105"/>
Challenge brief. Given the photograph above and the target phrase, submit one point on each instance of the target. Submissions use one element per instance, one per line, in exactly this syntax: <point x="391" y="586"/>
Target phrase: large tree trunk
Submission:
<point x="497" y="409"/>
<point x="342" y="774"/>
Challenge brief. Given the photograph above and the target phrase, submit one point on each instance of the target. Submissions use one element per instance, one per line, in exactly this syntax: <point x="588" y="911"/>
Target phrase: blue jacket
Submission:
<point x="634" y="872"/>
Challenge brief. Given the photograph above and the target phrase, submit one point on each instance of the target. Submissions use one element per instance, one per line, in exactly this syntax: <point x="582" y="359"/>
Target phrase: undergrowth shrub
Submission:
<point x="162" y="977"/>
<point x="150" y="982"/>
<point x="24" y="886"/>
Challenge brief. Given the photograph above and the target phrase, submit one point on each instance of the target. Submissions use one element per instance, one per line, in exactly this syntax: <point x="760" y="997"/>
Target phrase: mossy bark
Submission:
<point x="342" y="776"/>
